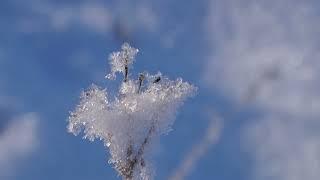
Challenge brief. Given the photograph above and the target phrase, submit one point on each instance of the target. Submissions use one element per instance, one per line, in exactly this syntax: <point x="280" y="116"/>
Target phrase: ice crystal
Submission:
<point x="121" y="61"/>
<point x="144" y="109"/>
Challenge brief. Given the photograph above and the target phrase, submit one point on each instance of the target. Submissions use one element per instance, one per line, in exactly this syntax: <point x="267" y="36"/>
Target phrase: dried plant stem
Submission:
<point x="141" y="78"/>
<point x="127" y="169"/>
<point x="126" y="70"/>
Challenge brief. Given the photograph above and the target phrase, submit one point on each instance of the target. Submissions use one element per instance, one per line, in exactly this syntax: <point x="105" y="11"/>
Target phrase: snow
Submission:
<point x="143" y="110"/>
<point x="118" y="60"/>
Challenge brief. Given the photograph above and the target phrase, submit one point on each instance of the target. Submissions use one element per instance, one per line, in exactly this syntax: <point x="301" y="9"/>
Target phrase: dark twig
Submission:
<point x="141" y="78"/>
<point x="157" y="79"/>
<point x="127" y="169"/>
<point x="126" y="72"/>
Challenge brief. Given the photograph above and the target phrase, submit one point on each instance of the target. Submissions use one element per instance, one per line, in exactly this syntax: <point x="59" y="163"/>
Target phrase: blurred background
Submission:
<point x="256" y="64"/>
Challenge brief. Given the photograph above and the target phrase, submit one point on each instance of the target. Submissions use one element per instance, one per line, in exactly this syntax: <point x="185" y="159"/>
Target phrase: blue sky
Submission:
<point x="255" y="64"/>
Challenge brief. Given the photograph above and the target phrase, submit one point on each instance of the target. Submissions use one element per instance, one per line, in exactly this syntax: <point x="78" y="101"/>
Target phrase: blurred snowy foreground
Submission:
<point x="144" y="109"/>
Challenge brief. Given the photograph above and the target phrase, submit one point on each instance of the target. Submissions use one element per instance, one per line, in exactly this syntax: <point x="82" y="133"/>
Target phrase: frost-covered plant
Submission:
<point x="144" y="109"/>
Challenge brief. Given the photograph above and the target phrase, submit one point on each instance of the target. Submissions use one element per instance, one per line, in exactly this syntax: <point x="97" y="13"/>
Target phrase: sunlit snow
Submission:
<point x="143" y="109"/>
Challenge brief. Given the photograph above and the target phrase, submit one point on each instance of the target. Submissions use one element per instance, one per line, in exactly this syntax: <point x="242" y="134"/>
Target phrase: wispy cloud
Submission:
<point x="17" y="141"/>
<point x="199" y="149"/>
<point x="266" y="54"/>
<point x="95" y="16"/>
<point x="46" y="16"/>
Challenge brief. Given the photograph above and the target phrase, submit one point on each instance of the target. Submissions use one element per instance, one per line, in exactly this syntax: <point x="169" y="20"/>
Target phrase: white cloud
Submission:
<point x="17" y="141"/>
<point x="18" y="134"/>
<point x="135" y="17"/>
<point x="147" y="17"/>
<point x="266" y="54"/>
<point x="95" y="16"/>
<point x="92" y="16"/>
<point x="284" y="149"/>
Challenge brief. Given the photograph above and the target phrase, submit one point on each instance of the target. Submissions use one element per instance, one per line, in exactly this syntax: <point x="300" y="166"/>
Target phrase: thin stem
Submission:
<point x="141" y="78"/>
<point x="127" y="169"/>
<point x="126" y="72"/>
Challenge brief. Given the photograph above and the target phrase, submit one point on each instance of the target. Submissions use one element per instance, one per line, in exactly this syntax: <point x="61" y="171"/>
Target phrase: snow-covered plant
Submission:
<point x="144" y="109"/>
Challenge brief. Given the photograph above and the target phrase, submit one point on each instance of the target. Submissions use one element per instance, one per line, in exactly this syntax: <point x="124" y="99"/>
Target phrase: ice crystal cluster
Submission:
<point x="143" y="109"/>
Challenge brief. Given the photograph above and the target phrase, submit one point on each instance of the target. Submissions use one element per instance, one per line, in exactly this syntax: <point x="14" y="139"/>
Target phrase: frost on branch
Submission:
<point x="121" y="61"/>
<point x="144" y="109"/>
